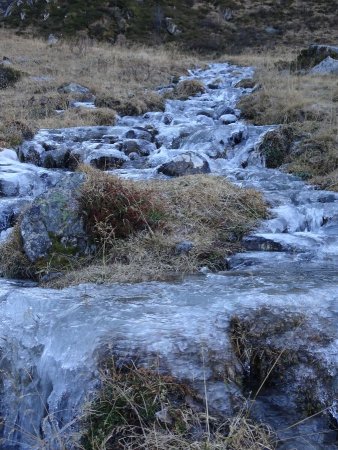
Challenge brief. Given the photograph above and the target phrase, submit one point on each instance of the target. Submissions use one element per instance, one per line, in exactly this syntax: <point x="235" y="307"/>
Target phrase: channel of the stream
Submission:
<point x="50" y="339"/>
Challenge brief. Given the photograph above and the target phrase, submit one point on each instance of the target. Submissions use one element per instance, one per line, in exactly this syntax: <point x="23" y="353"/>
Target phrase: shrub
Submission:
<point x="13" y="132"/>
<point x="115" y="208"/>
<point x="8" y="76"/>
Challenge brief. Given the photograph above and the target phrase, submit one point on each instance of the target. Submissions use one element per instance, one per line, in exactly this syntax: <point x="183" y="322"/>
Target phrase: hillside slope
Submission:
<point x="218" y="25"/>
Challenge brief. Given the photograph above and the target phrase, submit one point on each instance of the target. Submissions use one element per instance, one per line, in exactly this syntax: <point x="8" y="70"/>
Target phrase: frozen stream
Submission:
<point x="50" y="340"/>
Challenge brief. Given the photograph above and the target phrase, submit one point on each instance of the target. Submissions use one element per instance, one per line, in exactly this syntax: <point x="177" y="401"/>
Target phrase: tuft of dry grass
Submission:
<point x="13" y="261"/>
<point x="188" y="88"/>
<point x="138" y="408"/>
<point x="206" y="211"/>
<point x="118" y="76"/>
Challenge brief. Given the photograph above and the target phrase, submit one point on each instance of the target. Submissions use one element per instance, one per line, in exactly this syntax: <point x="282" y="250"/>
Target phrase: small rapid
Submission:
<point x="51" y="341"/>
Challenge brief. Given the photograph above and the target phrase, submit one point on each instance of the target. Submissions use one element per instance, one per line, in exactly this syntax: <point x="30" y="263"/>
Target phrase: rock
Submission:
<point x="223" y="110"/>
<point x="56" y="158"/>
<point x="237" y="136"/>
<point x="213" y="86"/>
<point x="54" y="217"/>
<point x="167" y="118"/>
<point x="52" y="39"/>
<point x="284" y="356"/>
<point x="139" y="146"/>
<point x="164" y="416"/>
<point x="106" y="157"/>
<point x="226" y="119"/>
<point x="139" y="133"/>
<point x="327" y="66"/>
<point x="186" y="164"/>
<point x="6" y="61"/>
<point x="73" y="88"/>
<point x="228" y="14"/>
<point x="184" y="247"/>
<point x="259" y="243"/>
<point x="31" y="152"/>
<point x="171" y="27"/>
<point x="272" y="30"/>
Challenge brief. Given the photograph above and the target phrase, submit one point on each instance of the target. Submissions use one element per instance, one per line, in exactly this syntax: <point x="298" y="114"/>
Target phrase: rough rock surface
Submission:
<point x="283" y="355"/>
<point x="54" y="217"/>
<point x="327" y="66"/>
<point x="73" y="88"/>
<point x="186" y="164"/>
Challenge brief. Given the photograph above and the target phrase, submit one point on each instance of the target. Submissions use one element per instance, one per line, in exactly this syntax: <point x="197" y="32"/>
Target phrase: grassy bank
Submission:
<point x="151" y="230"/>
<point x="122" y="79"/>
<point x="307" y="108"/>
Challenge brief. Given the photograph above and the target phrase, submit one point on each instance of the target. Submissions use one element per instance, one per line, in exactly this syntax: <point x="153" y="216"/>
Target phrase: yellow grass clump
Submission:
<point x="117" y="75"/>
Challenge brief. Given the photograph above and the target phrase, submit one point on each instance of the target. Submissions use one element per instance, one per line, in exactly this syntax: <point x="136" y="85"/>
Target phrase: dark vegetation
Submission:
<point x="216" y="26"/>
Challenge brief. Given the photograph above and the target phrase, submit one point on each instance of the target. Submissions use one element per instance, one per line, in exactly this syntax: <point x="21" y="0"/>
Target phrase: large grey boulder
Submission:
<point x="327" y="66"/>
<point x="186" y="164"/>
<point x="54" y="219"/>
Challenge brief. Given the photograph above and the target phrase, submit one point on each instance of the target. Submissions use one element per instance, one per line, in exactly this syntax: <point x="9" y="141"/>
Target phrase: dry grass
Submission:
<point x="306" y="105"/>
<point x="206" y="211"/>
<point x="124" y="415"/>
<point x="13" y="262"/>
<point x="115" y="73"/>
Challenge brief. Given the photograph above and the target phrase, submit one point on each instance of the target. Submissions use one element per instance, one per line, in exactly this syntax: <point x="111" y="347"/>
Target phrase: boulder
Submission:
<point x="139" y="146"/>
<point x="139" y="133"/>
<point x="54" y="219"/>
<point x="284" y="359"/>
<point x="186" y="164"/>
<point x="31" y="152"/>
<point x="327" y="66"/>
<point x="106" y="158"/>
<point x="222" y="110"/>
<point x="183" y="247"/>
<point x="226" y="119"/>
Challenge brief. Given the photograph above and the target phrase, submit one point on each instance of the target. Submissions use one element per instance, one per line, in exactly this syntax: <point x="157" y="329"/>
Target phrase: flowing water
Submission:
<point x="51" y="340"/>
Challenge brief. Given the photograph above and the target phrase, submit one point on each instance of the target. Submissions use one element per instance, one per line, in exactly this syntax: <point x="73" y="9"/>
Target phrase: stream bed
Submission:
<point x="51" y="340"/>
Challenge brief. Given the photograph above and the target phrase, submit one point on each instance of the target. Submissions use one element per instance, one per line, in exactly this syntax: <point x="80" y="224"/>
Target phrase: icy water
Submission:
<point x="51" y="340"/>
